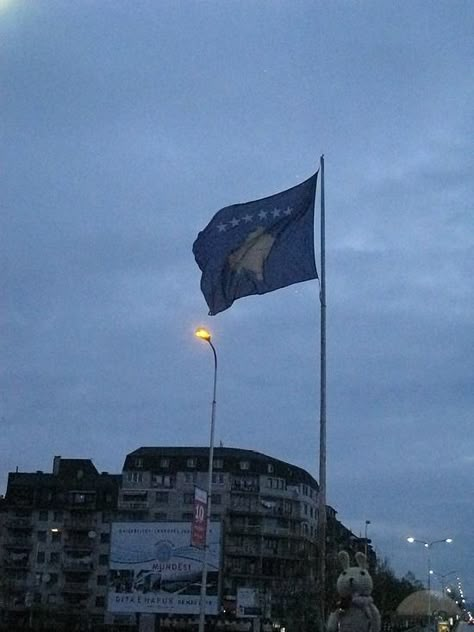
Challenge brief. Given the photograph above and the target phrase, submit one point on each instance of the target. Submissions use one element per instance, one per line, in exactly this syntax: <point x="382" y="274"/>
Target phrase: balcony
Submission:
<point x="245" y="550"/>
<point x="82" y="523"/>
<point x="78" y="588"/>
<point x="19" y="524"/>
<point x="133" y="505"/>
<point x="12" y="562"/>
<point x="79" y="565"/>
<point x="79" y="544"/>
<point x="18" y="543"/>
<point x="250" y="529"/>
<point x="245" y="486"/>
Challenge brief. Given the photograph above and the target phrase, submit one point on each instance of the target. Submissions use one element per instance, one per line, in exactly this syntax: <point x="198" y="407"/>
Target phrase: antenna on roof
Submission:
<point x="221" y="445"/>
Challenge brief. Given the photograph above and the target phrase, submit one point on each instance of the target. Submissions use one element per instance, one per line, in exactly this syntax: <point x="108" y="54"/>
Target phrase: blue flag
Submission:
<point x="258" y="247"/>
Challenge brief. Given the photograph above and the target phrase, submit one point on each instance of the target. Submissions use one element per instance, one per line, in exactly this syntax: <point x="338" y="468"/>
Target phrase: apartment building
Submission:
<point x="55" y="530"/>
<point x="267" y="507"/>
<point x="55" y="542"/>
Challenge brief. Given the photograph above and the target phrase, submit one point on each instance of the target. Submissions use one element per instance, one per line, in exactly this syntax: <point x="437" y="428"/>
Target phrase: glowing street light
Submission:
<point x="428" y="546"/>
<point x="204" y="334"/>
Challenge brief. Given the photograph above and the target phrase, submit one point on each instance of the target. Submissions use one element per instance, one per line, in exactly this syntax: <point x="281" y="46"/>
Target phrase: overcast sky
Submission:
<point x="126" y="125"/>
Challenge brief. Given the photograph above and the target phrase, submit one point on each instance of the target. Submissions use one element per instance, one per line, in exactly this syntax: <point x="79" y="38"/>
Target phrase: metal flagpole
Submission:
<point x="322" y="417"/>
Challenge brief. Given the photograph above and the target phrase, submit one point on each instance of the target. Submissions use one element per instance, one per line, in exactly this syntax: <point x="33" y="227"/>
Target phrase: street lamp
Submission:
<point x="203" y="334"/>
<point x="367" y="522"/>
<point x="428" y="546"/>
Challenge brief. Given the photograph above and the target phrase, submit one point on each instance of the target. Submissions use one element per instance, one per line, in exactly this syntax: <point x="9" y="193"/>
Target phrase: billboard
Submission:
<point x="154" y="568"/>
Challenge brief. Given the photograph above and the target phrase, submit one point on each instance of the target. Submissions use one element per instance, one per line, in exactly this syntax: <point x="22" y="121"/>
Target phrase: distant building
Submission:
<point x="54" y="541"/>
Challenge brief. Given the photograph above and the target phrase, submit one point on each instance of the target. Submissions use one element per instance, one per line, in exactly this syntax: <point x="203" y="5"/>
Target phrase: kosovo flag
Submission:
<point x="258" y="247"/>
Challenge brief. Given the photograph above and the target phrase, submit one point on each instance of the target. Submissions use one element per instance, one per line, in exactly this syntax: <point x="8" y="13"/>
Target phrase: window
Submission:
<point x="55" y="537"/>
<point x="53" y="578"/>
<point x="216" y="499"/>
<point x="187" y="516"/>
<point x="188" y="499"/>
<point x="190" y="477"/>
<point x="164" y="462"/>
<point x="218" y="464"/>
<point x="58" y="516"/>
<point x="276" y="483"/>
<point x="217" y="478"/>
<point x="101" y="580"/>
<point x="104" y="538"/>
<point x="161" y="480"/>
<point x="103" y="560"/>
<point x="41" y="536"/>
<point x="161" y="515"/>
<point x="54" y="557"/>
<point x="162" y="497"/>
<point x="191" y="462"/>
<point x="100" y="602"/>
<point x="138" y="462"/>
<point x="43" y="516"/>
<point x="41" y="557"/>
<point x="134" y="477"/>
<point x="270" y="468"/>
<point x="244" y="465"/>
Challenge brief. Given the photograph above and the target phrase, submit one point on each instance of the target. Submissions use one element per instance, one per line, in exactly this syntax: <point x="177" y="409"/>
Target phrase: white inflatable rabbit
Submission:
<point x="357" y="611"/>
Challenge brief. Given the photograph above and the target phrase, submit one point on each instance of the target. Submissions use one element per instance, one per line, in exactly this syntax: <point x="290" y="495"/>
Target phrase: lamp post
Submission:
<point x="428" y="546"/>
<point x="367" y="522"/>
<point x="203" y="334"/>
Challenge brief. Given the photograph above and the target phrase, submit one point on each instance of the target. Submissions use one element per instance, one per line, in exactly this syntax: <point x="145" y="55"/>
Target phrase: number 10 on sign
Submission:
<point x="199" y="525"/>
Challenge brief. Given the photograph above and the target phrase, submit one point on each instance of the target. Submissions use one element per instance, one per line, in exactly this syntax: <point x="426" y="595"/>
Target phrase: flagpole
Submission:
<point x="322" y="417"/>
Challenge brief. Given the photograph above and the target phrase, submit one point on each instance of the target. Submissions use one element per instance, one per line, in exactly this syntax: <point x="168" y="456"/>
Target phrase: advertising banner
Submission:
<point x="154" y="568"/>
<point x="199" y="525"/>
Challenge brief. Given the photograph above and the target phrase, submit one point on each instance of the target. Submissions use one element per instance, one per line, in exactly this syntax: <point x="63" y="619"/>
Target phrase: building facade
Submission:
<point x="54" y="543"/>
<point x="55" y="529"/>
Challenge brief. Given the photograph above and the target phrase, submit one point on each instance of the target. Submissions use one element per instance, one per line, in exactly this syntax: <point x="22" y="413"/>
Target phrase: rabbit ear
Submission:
<point x="343" y="559"/>
<point x="361" y="560"/>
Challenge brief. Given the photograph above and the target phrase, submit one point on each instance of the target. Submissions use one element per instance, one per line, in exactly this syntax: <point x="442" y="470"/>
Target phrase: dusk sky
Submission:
<point x="125" y="125"/>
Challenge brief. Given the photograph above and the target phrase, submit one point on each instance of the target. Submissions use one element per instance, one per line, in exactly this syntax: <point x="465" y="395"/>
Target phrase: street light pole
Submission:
<point x="367" y="522"/>
<point x="428" y="546"/>
<point x="205" y="335"/>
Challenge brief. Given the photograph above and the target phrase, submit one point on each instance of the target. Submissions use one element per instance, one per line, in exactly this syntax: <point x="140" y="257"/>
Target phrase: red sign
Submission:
<point x="199" y="525"/>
